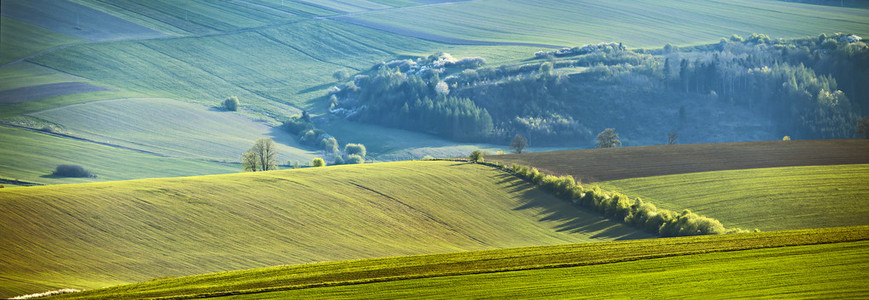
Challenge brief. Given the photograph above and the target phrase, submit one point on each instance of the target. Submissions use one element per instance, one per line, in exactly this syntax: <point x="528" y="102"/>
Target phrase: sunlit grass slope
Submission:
<point x="32" y="157"/>
<point x="99" y="234"/>
<point x="171" y="127"/>
<point x="636" y="23"/>
<point x="818" y="262"/>
<point x="767" y="199"/>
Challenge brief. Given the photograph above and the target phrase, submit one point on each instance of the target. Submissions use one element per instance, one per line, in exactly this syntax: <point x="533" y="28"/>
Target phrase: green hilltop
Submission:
<point x="98" y="234"/>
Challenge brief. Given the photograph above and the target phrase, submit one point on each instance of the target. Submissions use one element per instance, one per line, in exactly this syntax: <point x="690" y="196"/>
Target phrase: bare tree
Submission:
<point x="671" y="138"/>
<point x="519" y="143"/>
<point x="262" y="156"/>
<point x="249" y="162"/>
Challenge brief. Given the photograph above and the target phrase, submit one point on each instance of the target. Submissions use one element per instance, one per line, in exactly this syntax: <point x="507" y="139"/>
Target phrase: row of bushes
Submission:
<point x="614" y="205"/>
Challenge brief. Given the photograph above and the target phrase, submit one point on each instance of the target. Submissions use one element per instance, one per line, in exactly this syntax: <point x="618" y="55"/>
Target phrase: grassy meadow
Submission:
<point x="767" y="199"/>
<point x="99" y="234"/>
<point x="740" y="264"/>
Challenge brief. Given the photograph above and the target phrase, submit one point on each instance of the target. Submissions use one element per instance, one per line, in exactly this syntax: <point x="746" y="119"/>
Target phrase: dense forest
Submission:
<point x="741" y="88"/>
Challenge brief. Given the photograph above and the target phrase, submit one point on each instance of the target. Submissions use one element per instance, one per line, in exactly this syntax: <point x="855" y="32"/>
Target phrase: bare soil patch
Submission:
<point x="593" y="165"/>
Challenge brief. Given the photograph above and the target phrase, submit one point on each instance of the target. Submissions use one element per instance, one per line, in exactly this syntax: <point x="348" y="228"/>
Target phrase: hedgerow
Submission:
<point x="617" y="206"/>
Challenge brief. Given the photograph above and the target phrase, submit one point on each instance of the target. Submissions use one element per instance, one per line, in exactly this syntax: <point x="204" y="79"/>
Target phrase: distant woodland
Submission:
<point x="808" y="88"/>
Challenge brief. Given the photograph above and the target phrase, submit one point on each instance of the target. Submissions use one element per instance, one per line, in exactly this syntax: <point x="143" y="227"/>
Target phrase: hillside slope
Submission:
<point x="767" y="199"/>
<point x="592" y="165"/>
<point x="98" y="234"/>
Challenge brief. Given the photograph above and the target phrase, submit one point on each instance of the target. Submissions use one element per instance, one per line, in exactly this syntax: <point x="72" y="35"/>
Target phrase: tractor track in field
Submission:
<point x="81" y="139"/>
<point x="423" y="213"/>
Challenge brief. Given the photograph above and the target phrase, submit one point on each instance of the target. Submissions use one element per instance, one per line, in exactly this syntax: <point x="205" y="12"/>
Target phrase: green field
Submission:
<point x="21" y="39"/>
<point x="648" y="23"/>
<point x="36" y="155"/>
<point x="99" y="234"/>
<point x="767" y="199"/>
<point x="171" y="127"/>
<point x="292" y="69"/>
<point x="819" y="262"/>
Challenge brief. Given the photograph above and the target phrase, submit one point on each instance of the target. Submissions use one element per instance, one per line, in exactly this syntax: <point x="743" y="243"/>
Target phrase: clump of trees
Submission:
<point x="231" y="103"/>
<point x="72" y="171"/>
<point x="633" y="211"/>
<point x="262" y="156"/>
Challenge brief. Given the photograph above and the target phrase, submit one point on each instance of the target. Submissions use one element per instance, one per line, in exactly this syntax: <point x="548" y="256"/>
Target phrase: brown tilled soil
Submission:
<point x="593" y="165"/>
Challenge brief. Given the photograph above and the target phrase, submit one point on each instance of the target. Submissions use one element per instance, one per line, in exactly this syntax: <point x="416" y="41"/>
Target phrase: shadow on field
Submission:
<point x="566" y="216"/>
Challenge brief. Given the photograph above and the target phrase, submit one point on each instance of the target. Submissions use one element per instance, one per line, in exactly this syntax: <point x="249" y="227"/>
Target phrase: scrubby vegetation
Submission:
<point x="808" y="88"/>
<point x="72" y="171"/>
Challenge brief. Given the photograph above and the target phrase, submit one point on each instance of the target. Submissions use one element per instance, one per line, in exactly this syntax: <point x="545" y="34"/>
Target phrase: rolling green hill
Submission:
<point x="822" y="262"/>
<point x="36" y="155"/>
<point x="98" y="234"/>
<point x="767" y="199"/>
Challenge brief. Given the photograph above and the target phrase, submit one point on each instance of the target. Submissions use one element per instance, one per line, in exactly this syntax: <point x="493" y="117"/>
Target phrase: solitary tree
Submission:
<point x="318" y="162"/>
<point x="262" y="156"/>
<point x="671" y="138"/>
<point x="519" y="143"/>
<point x="231" y="103"/>
<point x="608" y="138"/>
<point x="476" y="156"/>
<point x="863" y="127"/>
